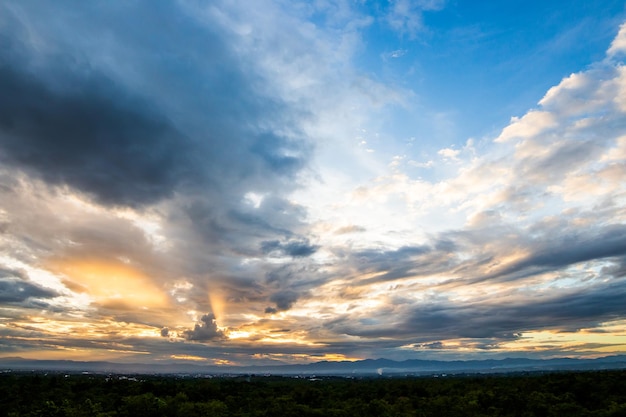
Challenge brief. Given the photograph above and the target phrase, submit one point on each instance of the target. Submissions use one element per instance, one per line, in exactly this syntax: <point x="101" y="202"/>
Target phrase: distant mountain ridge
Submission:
<point x="365" y="367"/>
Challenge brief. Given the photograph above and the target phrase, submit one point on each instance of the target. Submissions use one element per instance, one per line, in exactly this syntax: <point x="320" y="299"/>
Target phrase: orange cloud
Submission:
<point x="111" y="283"/>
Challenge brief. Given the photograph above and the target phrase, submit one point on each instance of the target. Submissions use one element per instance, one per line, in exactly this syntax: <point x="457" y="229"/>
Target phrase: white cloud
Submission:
<point x="618" y="46"/>
<point x="449" y="153"/>
<point x="405" y="16"/>
<point x="528" y="126"/>
<point x="562" y="155"/>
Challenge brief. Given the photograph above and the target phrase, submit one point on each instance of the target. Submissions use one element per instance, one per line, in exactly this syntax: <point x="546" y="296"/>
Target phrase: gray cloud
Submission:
<point x="180" y="133"/>
<point x="431" y="345"/>
<point x="72" y="123"/>
<point x="572" y="248"/>
<point x="15" y="288"/>
<point x="94" y="139"/>
<point x="555" y="251"/>
<point x="407" y="261"/>
<point x="204" y="331"/>
<point x="287" y="283"/>
<point x="294" y="248"/>
<point x="284" y="300"/>
<point x="569" y="310"/>
<point x="552" y="248"/>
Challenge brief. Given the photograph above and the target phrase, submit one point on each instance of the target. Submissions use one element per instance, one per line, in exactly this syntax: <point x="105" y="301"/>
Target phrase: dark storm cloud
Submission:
<point x="565" y="249"/>
<point x="133" y="116"/>
<point x="553" y="247"/>
<point x="95" y="139"/>
<point x="194" y="121"/>
<point x="15" y="288"/>
<point x="574" y="248"/>
<point x="568" y="311"/>
<point x="617" y="269"/>
<point x="205" y="331"/>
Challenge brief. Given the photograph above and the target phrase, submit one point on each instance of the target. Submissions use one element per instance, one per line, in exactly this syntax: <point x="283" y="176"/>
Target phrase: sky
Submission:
<point x="286" y="181"/>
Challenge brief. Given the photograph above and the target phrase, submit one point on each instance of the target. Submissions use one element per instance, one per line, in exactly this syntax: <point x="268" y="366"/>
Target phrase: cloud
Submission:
<point x="284" y="300"/>
<point x="15" y="288"/>
<point x="531" y="124"/>
<point x="571" y="249"/>
<point x="398" y="53"/>
<point x="94" y="139"/>
<point x="432" y="345"/>
<point x="349" y="229"/>
<point x="512" y="224"/>
<point x="293" y="248"/>
<point x="405" y="17"/>
<point x="570" y="310"/>
<point x="205" y="331"/>
<point x="93" y="128"/>
<point x="215" y="166"/>
<point x="438" y="321"/>
<point x="149" y="147"/>
<point x="449" y="154"/>
<point x="618" y="46"/>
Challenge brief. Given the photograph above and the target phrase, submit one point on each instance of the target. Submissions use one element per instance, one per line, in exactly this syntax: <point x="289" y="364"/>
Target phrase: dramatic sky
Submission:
<point x="243" y="182"/>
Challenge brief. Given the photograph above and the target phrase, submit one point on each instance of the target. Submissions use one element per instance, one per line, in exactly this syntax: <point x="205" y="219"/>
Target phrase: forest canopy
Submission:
<point x="598" y="393"/>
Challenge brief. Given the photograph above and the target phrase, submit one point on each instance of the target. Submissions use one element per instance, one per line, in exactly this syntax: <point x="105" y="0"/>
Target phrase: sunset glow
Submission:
<point x="239" y="183"/>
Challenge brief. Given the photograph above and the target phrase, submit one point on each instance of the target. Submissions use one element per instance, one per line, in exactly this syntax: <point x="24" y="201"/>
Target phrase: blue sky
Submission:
<point x="261" y="181"/>
<point x="481" y="62"/>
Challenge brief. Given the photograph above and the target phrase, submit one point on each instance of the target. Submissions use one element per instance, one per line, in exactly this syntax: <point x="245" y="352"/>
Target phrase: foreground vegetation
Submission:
<point x="601" y="393"/>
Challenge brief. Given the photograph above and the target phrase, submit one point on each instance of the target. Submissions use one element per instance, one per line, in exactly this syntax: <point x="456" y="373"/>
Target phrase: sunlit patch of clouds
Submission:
<point x="449" y="154"/>
<point x="531" y="124"/>
<point x="189" y="358"/>
<point x="618" y="46"/>
<point x="254" y="199"/>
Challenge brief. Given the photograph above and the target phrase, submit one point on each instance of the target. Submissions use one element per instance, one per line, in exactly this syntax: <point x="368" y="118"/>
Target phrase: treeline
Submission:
<point x="601" y="393"/>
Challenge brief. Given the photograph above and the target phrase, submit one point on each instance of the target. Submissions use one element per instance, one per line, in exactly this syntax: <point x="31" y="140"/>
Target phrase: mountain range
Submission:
<point x="368" y="367"/>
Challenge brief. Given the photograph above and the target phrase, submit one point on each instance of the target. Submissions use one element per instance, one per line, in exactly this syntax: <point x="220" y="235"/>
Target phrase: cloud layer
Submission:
<point x="229" y="188"/>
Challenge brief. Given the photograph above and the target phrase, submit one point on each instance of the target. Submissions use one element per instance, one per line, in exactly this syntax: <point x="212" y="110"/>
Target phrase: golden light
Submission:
<point x="188" y="358"/>
<point x="593" y="341"/>
<point x="222" y="362"/>
<point x="111" y="282"/>
<point x="239" y="334"/>
<point x="338" y="357"/>
<point x="217" y="303"/>
<point x="78" y="328"/>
